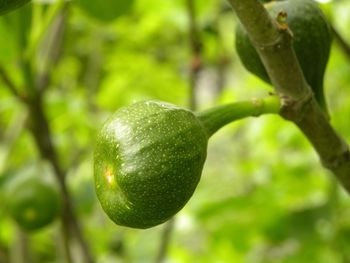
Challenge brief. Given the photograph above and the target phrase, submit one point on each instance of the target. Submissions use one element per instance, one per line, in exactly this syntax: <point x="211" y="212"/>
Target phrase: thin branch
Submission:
<point x="3" y="255"/>
<point x="165" y="240"/>
<point x="53" y="55"/>
<point x="10" y="84"/>
<point x="20" y="250"/>
<point x="196" y="50"/>
<point x="273" y="43"/>
<point x="39" y="127"/>
<point x="221" y="70"/>
<point x="41" y="132"/>
<point x="223" y="58"/>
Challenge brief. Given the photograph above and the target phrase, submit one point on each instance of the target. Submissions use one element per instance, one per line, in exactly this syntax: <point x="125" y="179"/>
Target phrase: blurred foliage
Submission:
<point x="263" y="196"/>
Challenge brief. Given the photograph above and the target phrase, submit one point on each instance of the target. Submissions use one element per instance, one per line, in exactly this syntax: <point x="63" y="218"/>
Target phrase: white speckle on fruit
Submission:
<point x="127" y="206"/>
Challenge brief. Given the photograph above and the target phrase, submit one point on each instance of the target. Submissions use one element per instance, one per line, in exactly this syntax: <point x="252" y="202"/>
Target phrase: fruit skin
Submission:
<point x="33" y="203"/>
<point x="311" y="41"/>
<point x="147" y="162"/>
<point x="9" y="5"/>
<point x="106" y="10"/>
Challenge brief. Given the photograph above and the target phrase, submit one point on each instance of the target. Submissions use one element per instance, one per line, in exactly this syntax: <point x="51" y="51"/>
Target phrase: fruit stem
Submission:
<point x="217" y="117"/>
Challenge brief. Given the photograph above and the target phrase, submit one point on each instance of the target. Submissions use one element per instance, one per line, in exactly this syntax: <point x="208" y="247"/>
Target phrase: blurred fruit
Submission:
<point x="33" y="203"/>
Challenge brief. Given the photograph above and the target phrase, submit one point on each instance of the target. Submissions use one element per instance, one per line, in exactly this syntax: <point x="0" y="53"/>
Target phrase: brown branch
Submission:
<point x="196" y="49"/>
<point x="3" y="255"/>
<point x="39" y="127"/>
<point x="165" y="240"/>
<point x="41" y="132"/>
<point x="274" y="46"/>
<point x="222" y="65"/>
<point x="223" y="59"/>
<point x="22" y="251"/>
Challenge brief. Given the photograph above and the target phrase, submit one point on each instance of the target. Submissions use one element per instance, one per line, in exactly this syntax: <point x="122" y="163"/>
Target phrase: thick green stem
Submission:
<point x="216" y="118"/>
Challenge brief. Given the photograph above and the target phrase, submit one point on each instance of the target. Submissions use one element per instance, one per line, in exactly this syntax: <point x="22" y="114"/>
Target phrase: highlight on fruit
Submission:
<point x="149" y="157"/>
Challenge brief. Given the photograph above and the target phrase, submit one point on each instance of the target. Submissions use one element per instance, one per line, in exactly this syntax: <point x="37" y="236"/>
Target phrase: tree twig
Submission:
<point x="274" y="45"/>
<point x="39" y="127"/>
<point x="196" y="50"/>
<point x="223" y="59"/>
<point x="41" y="132"/>
<point x="20" y="251"/>
<point x="3" y="255"/>
<point x="165" y="240"/>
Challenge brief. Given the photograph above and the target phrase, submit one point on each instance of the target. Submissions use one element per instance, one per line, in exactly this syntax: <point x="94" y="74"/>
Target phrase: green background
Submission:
<point x="263" y="196"/>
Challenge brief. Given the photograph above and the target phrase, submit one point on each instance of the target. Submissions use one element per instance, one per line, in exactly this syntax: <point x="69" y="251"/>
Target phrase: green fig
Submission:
<point x="149" y="157"/>
<point x="148" y="161"/>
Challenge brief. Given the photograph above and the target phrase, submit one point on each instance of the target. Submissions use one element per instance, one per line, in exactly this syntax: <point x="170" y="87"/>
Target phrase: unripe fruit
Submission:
<point x="149" y="157"/>
<point x="33" y="203"/>
<point x="311" y="42"/>
<point x="148" y="161"/>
